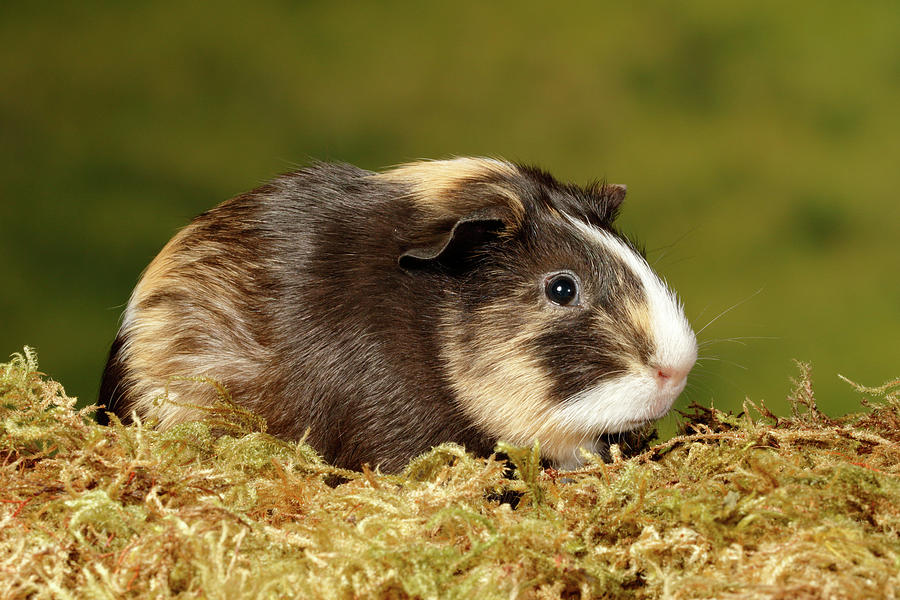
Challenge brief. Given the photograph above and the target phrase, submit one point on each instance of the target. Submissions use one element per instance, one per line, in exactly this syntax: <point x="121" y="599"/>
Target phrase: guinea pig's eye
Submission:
<point x="562" y="289"/>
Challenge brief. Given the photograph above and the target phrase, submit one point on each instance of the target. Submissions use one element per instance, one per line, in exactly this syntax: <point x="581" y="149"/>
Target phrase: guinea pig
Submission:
<point x="469" y="300"/>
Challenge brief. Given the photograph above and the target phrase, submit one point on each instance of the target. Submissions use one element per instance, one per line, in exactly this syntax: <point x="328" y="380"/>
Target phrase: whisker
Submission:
<point x="703" y="311"/>
<point x="668" y="247"/>
<point x="731" y="383"/>
<point x="681" y="260"/>
<point x="704" y="376"/>
<point x="729" y="309"/>
<point x="737" y="340"/>
<point x="695" y="386"/>
<point x="722" y="360"/>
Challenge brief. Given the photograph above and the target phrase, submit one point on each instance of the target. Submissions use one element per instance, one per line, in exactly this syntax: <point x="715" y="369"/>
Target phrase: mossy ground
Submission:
<point x="749" y="506"/>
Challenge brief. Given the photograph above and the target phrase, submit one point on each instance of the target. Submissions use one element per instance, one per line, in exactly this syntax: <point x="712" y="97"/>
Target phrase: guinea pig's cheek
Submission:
<point x="498" y="384"/>
<point x="613" y="405"/>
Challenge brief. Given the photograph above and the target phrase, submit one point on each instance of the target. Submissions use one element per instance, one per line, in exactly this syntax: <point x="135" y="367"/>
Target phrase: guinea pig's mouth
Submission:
<point x="624" y="403"/>
<point x="661" y="401"/>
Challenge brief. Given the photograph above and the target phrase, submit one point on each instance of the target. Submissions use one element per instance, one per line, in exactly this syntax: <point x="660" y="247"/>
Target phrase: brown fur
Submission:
<point x="385" y="313"/>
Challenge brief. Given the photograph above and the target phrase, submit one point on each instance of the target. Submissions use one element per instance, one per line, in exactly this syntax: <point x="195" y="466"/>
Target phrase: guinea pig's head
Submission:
<point x="553" y="327"/>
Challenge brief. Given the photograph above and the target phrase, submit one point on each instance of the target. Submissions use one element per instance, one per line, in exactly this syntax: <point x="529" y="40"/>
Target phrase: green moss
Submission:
<point x="738" y="506"/>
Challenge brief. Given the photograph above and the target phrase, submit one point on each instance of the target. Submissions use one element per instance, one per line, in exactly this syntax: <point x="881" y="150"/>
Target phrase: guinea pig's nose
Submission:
<point x="671" y="377"/>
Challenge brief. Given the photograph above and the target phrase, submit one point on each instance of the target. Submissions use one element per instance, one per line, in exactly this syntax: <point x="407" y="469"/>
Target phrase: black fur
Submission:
<point x="347" y="280"/>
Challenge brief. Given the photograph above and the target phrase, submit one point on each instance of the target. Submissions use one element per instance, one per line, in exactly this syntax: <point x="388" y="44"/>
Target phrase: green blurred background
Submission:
<point x="759" y="141"/>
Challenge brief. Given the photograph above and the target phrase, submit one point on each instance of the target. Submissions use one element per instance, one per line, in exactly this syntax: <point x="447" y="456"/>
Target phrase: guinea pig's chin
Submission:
<point x="662" y="400"/>
<point x="619" y="404"/>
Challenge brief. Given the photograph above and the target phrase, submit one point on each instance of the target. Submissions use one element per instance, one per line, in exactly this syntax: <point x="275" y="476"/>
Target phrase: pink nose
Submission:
<point x="671" y="376"/>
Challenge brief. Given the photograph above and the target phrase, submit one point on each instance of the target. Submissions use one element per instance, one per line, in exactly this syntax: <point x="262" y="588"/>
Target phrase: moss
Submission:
<point x="735" y="506"/>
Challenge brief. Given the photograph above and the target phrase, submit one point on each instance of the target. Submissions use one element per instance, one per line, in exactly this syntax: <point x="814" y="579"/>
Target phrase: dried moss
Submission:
<point x="736" y="506"/>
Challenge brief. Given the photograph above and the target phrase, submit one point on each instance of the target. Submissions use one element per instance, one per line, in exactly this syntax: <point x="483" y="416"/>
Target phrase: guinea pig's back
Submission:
<point x="200" y="309"/>
<point x="290" y="298"/>
<point x="213" y="302"/>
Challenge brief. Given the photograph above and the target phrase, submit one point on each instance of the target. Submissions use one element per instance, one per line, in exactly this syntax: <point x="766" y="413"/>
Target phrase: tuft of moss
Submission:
<point x="735" y="506"/>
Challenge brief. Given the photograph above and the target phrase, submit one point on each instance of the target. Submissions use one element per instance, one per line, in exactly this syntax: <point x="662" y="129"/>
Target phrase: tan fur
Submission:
<point x="150" y="358"/>
<point x="213" y="302"/>
<point x="504" y="390"/>
<point x="434" y="183"/>
<point x="639" y="317"/>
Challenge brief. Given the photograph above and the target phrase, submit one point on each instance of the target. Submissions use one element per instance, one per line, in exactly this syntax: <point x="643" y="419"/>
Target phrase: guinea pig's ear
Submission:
<point x="461" y="236"/>
<point x="614" y="194"/>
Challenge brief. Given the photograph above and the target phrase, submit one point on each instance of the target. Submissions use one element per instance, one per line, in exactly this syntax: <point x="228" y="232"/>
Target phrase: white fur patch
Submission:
<point x="630" y="399"/>
<point x="674" y="340"/>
